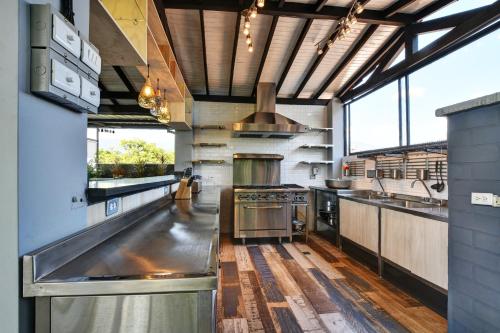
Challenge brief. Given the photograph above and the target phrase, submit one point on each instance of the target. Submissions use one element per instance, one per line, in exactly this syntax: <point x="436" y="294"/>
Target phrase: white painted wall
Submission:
<point x="9" y="310"/>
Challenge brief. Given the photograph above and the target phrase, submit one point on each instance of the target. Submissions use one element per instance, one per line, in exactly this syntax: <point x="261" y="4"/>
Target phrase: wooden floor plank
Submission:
<point x="318" y="261"/>
<point x="305" y="316"/>
<point x="235" y="325"/>
<point x="265" y="275"/>
<point x="311" y="289"/>
<point x="243" y="258"/>
<point x="320" y="289"/>
<point x="287" y="321"/>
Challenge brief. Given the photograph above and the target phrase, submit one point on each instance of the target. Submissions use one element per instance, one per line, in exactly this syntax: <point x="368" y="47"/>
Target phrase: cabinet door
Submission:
<point x="417" y="244"/>
<point x="359" y="223"/>
<point x="430" y="250"/>
<point x="396" y="237"/>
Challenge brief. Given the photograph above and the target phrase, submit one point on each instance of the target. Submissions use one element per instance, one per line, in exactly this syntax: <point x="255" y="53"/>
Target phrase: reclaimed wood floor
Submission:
<point x="267" y="287"/>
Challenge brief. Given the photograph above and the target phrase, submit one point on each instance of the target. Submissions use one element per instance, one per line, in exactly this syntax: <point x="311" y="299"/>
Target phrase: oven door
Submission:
<point x="263" y="215"/>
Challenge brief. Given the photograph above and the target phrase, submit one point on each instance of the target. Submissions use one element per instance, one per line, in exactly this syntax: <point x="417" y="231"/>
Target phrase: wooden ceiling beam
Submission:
<point x="465" y="33"/>
<point x="432" y="8"/>
<point x="253" y="100"/>
<point x="124" y="79"/>
<point x="291" y="9"/>
<point x="123" y="110"/>
<point x="347" y="59"/>
<point x="204" y="48"/>
<point x="397" y="6"/>
<point x="103" y="89"/>
<point x="264" y="54"/>
<point x="235" y="48"/>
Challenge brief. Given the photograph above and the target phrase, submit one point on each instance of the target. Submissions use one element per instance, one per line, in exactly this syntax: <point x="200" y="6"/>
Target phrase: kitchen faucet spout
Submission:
<point x="380" y="183"/>
<point x="425" y="186"/>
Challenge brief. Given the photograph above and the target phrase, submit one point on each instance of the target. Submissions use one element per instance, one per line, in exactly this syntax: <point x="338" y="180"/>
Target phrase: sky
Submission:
<point x="470" y="72"/>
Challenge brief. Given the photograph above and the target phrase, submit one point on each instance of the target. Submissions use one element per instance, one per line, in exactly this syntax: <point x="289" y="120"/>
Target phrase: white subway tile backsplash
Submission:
<point x="211" y="113"/>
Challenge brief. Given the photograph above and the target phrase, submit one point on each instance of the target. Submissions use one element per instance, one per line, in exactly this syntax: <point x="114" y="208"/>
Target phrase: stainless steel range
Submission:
<point x="262" y="206"/>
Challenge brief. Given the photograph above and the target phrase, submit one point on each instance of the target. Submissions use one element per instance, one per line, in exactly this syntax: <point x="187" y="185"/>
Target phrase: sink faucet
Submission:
<point x="380" y="183"/>
<point x="425" y="185"/>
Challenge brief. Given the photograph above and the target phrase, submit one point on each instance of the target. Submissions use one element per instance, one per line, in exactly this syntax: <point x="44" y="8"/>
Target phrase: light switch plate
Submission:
<point x="485" y="199"/>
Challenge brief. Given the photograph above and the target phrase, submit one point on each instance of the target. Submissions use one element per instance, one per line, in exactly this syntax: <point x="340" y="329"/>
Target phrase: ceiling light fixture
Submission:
<point x="260" y="3"/>
<point x="358" y="8"/>
<point x="154" y="110"/>
<point x="249" y="39"/>
<point x="247" y="22"/>
<point x="146" y="97"/>
<point x="250" y="47"/>
<point x="163" y="111"/>
<point x="253" y="12"/>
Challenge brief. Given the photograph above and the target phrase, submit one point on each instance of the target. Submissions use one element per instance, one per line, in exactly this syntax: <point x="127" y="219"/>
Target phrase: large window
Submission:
<point x="374" y="120"/>
<point x="467" y="73"/>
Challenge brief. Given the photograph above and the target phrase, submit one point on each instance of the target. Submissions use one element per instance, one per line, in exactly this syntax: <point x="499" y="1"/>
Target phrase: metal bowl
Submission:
<point x="338" y="183"/>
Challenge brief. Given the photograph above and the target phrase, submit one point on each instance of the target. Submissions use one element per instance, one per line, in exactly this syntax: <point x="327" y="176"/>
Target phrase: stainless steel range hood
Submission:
<point x="266" y="123"/>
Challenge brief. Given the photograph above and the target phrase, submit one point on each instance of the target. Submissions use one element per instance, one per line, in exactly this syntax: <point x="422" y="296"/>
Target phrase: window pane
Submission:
<point x="374" y="120"/>
<point x="468" y="73"/>
<point x="457" y="7"/>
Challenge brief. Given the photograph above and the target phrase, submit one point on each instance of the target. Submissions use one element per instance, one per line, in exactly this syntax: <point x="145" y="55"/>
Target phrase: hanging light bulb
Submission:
<point x="329" y="43"/>
<point x="249" y="39"/>
<point x="146" y="97"/>
<point x="163" y="112"/>
<point x="260" y="3"/>
<point x="253" y="12"/>
<point x="341" y="34"/>
<point x="352" y="19"/>
<point x="250" y="47"/>
<point x="246" y="31"/>
<point x="347" y="30"/>
<point x="247" y="22"/>
<point x="358" y="8"/>
<point x="320" y="50"/>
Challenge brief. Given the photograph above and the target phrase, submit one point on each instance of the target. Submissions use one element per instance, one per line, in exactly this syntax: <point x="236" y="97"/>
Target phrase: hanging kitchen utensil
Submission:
<point x="441" y="185"/>
<point x="436" y="186"/>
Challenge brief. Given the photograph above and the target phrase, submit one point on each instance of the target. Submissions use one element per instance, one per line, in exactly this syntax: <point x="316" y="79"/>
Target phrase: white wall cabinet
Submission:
<point x="359" y="223"/>
<point x="417" y="244"/>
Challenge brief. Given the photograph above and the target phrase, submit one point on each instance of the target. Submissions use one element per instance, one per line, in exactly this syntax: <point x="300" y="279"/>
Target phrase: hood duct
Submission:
<point x="266" y="123"/>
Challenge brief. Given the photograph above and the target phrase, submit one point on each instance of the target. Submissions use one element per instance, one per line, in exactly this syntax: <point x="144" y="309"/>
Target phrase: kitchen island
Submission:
<point x="153" y="269"/>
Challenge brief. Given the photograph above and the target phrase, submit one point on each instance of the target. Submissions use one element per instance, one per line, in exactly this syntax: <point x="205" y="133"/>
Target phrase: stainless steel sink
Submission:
<point x="409" y="203"/>
<point x="399" y="200"/>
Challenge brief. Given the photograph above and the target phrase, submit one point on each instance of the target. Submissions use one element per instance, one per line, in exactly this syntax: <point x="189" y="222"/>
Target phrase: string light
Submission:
<point x="320" y="50"/>
<point x="358" y="8"/>
<point x="249" y="40"/>
<point x="260" y="3"/>
<point x="253" y="12"/>
<point x="250" y="47"/>
<point x="247" y="22"/>
<point x="329" y="43"/>
<point x="246" y="32"/>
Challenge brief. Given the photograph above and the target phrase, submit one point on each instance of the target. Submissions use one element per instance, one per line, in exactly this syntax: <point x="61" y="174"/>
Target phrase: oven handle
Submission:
<point x="262" y="207"/>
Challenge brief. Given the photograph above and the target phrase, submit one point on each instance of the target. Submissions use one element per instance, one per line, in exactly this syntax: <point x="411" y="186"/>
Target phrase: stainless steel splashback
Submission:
<point x="256" y="169"/>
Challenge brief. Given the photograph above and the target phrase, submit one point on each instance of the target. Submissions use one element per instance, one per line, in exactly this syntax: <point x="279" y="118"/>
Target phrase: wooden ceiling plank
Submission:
<point x="264" y="54"/>
<point x="124" y="79"/>
<point x="235" y="48"/>
<point x="397" y="6"/>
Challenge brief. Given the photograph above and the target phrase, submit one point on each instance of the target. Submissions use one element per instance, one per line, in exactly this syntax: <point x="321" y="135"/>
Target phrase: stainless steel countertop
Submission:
<point x="434" y="213"/>
<point x="170" y="249"/>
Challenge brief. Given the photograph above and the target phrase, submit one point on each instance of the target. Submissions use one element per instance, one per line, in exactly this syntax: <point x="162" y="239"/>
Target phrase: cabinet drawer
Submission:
<point x="91" y="57"/>
<point x="90" y="92"/>
<point x="64" y="78"/>
<point x="65" y="35"/>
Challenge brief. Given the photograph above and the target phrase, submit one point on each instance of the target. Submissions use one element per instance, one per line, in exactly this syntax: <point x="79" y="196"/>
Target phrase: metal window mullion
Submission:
<point x="407" y="100"/>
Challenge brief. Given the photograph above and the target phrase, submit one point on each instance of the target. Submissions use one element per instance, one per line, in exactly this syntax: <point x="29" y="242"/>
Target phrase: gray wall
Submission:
<point x="474" y="234"/>
<point x="8" y="167"/>
<point x="336" y="119"/>
<point x="183" y="149"/>
<point x="52" y="153"/>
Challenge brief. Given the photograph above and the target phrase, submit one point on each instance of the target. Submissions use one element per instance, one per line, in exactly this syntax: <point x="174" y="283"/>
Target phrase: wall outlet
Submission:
<point x="78" y="201"/>
<point x="486" y="199"/>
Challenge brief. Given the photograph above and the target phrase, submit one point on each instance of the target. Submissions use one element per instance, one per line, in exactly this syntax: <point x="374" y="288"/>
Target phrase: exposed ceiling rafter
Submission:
<point x="265" y="52"/>
<point x="204" y="49"/>
<point x="235" y="48"/>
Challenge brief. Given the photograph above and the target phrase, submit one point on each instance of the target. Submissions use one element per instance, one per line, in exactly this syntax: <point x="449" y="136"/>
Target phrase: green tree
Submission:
<point x="136" y="151"/>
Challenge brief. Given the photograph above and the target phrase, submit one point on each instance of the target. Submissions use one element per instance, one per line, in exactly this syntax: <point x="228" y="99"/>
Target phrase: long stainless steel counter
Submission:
<point x="166" y="246"/>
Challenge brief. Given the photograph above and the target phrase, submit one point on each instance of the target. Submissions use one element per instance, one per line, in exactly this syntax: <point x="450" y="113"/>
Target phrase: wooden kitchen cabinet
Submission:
<point x="417" y="244"/>
<point x="359" y="223"/>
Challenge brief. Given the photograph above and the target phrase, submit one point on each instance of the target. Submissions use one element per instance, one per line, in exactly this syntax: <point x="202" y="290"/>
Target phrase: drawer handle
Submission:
<point x="69" y="79"/>
<point x="262" y="207"/>
<point x="70" y="38"/>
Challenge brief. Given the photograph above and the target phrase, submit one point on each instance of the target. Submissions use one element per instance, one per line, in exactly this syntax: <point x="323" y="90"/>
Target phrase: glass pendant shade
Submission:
<point x="146" y="97"/>
<point x="163" y="112"/>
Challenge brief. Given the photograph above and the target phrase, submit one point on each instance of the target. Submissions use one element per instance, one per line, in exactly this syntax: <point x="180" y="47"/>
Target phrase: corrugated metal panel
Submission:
<point x="185" y="28"/>
<point x="247" y="64"/>
<point x="219" y="35"/>
<point x="330" y="61"/>
<point x="285" y="36"/>
<point x="319" y="30"/>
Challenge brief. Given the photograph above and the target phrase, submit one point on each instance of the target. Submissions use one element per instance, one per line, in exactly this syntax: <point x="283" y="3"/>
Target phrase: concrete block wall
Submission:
<point x="212" y="113"/>
<point x="474" y="234"/>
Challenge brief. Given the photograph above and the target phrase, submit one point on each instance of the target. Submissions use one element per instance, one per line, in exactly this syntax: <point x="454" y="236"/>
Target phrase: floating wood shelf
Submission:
<point x="320" y="146"/>
<point x="208" y="162"/>
<point x="210" y="127"/>
<point x="316" y="162"/>
<point x="206" y="144"/>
